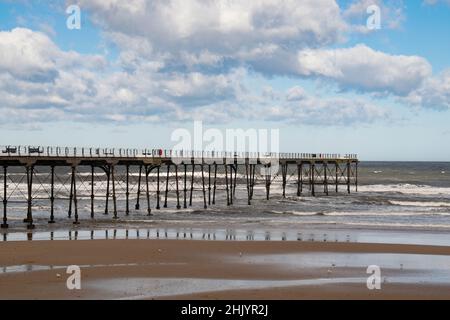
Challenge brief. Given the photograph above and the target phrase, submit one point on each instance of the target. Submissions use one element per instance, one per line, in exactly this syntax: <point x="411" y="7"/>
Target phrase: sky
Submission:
<point x="322" y="72"/>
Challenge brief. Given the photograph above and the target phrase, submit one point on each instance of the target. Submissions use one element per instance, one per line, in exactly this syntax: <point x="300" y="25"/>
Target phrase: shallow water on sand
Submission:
<point x="240" y="234"/>
<point x="305" y="269"/>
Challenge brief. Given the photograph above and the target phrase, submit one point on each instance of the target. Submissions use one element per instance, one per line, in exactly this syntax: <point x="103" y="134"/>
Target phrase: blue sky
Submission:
<point x="137" y="70"/>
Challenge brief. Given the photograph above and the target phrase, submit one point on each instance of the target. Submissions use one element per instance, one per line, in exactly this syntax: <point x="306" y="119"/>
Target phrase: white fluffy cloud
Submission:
<point x="262" y="34"/>
<point x="365" y="69"/>
<point x="434" y="93"/>
<point x="75" y="89"/>
<point x="36" y="75"/>
<point x="270" y="37"/>
<point x="180" y="60"/>
<point x="226" y="25"/>
<point x="33" y="56"/>
<point x="296" y="106"/>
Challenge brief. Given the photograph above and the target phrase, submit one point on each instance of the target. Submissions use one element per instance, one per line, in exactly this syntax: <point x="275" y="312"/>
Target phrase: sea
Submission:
<point x="389" y="196"/>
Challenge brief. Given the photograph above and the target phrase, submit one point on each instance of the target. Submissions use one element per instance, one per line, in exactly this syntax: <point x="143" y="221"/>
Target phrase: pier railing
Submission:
<point x="95" y="152"/>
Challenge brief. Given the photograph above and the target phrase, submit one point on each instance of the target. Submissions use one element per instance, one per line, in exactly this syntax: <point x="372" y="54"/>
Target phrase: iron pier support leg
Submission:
<point x="235" y="181"/>
<point x="325" y="178"/>
<point x="177" y="187"/>
<point x="268" y="181"/>
<point x="158" y="191"/>
<point x="313" y="179"/>
<point x="192" y="184"/>
<point x="137" y="207"/>
<point x="231" y="183"/>
<point x="284" y="173"/>
<point x="247" y="175"/>
<point x="356" y="176"/>
<point x="209" y="184"/>
<point x="75" y="201"/>
<point x="108" y="173"/>
<point x="5" y="198"/>
<point x="113" y="181"/>
<point x="337" y="177"/>
<point x="92" y="192"/>
<point x="52" y="196"/>
<point x="215" y="184"/>
<point x="30" y="170"/>
<point x="185" y="186"/>
<point x="167" y="186"/>
<point x="69" y="214"/>
<point x="204" y="188"/>
<point x="226" y="184"/>
<point x="147" y="191"/>
<point x="348" y="177"/>
<point x="30" y="225"/>
<point x="299" y="179"/>
<point x="127" y="192"/>
<point x="252" y="180"/>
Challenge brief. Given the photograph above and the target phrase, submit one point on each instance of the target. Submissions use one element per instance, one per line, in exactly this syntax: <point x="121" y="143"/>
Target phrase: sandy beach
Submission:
<point x="182" y="269"/>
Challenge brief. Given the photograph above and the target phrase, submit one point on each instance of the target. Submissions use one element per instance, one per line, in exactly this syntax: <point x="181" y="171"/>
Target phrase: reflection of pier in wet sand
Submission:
<point x="178" y="234"/>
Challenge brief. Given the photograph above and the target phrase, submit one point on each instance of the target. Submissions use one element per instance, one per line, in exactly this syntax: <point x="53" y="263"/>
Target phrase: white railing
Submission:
<point x="83" y="152"/>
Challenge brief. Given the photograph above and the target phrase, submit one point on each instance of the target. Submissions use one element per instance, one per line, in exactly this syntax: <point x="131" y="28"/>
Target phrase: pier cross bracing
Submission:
<point x="152" y="176"/>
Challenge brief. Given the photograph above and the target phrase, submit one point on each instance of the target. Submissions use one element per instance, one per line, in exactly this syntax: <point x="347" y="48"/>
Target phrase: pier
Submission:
<point x="149" y="178"/>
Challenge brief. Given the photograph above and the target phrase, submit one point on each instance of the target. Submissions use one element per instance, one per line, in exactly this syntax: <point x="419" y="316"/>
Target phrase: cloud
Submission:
<point x="269" y="37"/>
<point x="224" y="25"/>
<point x="298" y="107"/>
<point x="27" y="55"/>
<point x="433" y="94"/>
<point x="32" y="56"/>
<point x="365" y="69"/>
<point x="295" y="94"/>
<point x="36" y="76"/>
<point x="218" y="34"/>
<point x="73" y="88"/>
<point x="183" y="60"/>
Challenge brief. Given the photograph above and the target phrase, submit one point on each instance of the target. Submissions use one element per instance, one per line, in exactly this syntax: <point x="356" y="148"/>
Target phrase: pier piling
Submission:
<point x="52" y="195"/>
<point x="137" y="206"/>
<point x="5" y="198"/>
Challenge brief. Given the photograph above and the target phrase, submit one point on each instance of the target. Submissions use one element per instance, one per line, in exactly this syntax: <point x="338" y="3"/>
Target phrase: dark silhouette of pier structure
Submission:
<point x="151" y="175"/>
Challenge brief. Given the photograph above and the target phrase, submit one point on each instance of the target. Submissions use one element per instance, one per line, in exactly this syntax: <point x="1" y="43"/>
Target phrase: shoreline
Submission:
<point x="228" y="232"/>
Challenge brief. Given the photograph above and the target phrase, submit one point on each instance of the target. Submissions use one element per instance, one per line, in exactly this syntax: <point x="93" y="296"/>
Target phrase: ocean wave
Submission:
<point x="376" y="225"/>
<point x="405" y="188"/>
<point x="398" y="225"/>
<point x="362" y="213"/>
<point x="387" y="214"/>
<point x="420" y="203"/>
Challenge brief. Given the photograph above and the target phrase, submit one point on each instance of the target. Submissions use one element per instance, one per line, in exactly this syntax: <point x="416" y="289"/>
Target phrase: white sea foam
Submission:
<point x="420" y="203"/>
<point x="398" y="225"/>
<point x="405" y="189"/>
<point x="367" y="213"/>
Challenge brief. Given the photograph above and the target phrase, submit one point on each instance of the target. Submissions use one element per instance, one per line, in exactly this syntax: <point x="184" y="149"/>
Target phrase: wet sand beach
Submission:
<point x="286" y="248"/>
<point x="162" y="269"/>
